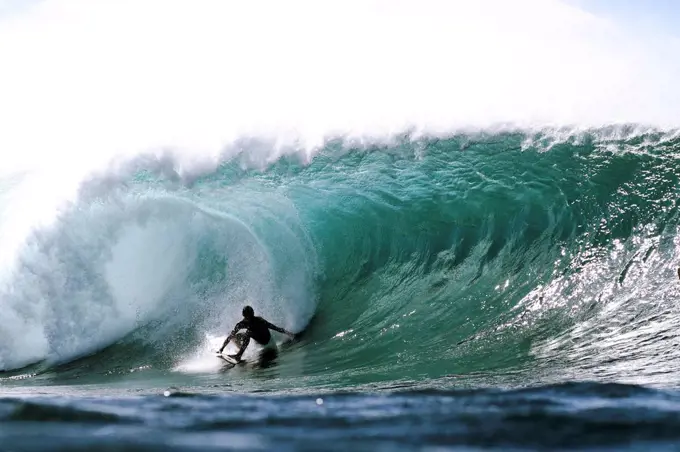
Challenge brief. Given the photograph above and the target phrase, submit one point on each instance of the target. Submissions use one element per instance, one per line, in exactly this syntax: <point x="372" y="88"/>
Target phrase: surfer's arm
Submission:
<point x="238" y="326"/>
<point x="271" y="326"/>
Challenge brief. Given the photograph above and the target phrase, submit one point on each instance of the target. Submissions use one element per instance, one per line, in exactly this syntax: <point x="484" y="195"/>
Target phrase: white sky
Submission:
<point x="82" y="80"/>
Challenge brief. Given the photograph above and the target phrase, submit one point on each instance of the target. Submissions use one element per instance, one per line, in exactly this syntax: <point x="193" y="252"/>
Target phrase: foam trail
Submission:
<point x="203" y="360"/>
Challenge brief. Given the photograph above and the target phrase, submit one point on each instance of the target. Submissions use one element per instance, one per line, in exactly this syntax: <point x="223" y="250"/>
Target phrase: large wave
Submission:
<point x="551" y="252"/>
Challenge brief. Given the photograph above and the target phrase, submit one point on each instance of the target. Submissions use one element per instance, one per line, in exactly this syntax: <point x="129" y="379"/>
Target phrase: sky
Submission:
<point x="663" y="15"/>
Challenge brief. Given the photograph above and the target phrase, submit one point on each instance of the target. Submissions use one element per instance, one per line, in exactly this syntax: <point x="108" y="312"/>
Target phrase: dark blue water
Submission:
<point x="568" y="416"/>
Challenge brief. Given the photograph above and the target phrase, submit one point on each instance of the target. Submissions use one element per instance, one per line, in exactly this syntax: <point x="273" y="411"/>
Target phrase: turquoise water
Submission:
<point x="485" y="260"/>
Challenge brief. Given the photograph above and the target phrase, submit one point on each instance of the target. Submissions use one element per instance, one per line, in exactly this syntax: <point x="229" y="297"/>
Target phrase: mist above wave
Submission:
<point x="85" y="81"/>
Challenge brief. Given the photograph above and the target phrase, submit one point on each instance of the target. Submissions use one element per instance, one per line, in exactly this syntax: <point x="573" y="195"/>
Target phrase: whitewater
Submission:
<point x="469" y="212"/>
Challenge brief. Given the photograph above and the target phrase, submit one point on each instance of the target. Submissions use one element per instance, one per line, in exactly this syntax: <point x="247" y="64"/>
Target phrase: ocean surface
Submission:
<point x="509" y="290"/>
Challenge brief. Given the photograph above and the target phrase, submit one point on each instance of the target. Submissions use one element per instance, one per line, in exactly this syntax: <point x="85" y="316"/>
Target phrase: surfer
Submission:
<point x="256" y="327"/>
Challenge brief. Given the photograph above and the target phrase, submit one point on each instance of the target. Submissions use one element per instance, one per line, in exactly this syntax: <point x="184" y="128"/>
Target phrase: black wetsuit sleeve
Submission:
<point x="271" y="326"/>
<point x="239" y="326"/>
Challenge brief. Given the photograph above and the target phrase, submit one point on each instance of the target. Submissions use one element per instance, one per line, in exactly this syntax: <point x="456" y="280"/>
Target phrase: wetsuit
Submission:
<point x="257" y="328"/>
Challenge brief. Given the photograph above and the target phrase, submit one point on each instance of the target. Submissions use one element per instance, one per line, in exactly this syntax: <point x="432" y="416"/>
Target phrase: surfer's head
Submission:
<point x="248" y="312"/>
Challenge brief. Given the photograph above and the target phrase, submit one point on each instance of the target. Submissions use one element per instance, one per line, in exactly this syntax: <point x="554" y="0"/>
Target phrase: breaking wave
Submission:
<point x="549" y="252"/>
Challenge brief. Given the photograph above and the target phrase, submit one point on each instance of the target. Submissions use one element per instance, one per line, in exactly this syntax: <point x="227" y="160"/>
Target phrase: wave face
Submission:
<point x="529" y="255"/>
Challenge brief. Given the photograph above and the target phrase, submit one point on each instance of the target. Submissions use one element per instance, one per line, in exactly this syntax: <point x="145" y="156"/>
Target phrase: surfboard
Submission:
<point x="228" y="358"/>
